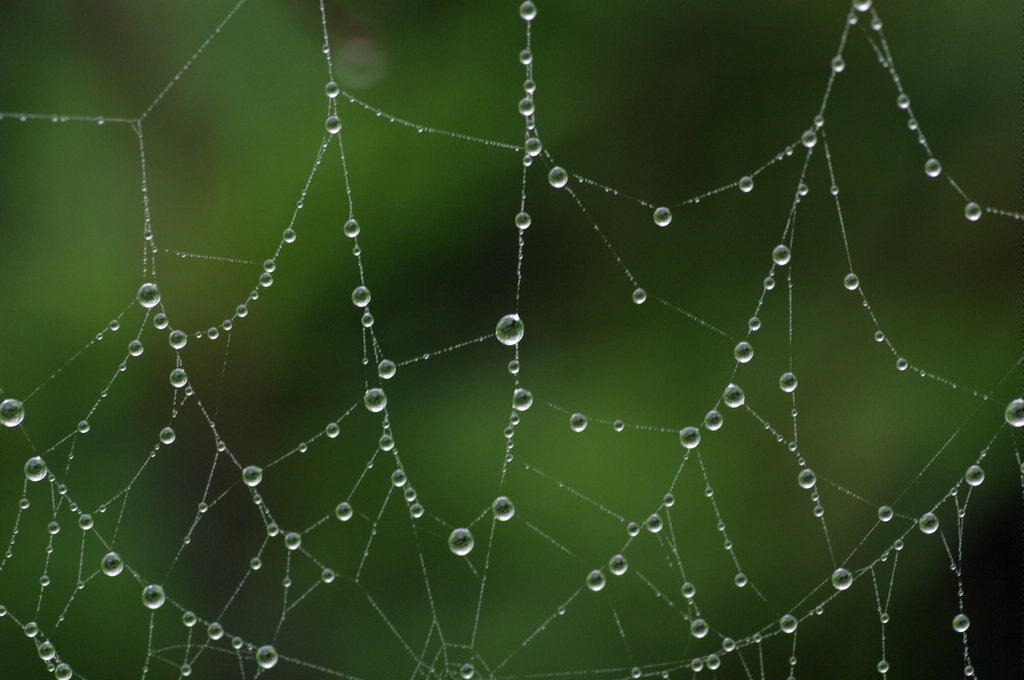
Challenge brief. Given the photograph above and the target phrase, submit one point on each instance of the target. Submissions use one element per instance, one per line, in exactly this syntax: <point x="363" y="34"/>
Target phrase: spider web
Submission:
<point x="345" y="212"/>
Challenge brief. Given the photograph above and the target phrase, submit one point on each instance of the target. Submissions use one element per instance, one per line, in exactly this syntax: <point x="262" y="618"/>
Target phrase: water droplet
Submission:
<point x="153" y="596"/>
<point x="699" y="628"/>
<point x="467" y="671"/>
<point x="167" y="435"/>
<point x="746" y="184"/>
<point x="788" y="623"/>
<point x="838" y="64"/>
<point x="526" y="108"/>
<point x="595" y="580"/>
<point x="851" y="282"/>
<point x="343" y="511"/>
<point x="149" y="295"/>
<point x="883" y="666"/>
<point x="558" y="177"/>
<point x="787" y="382"/>
<point x="781" y="255"/>
<point x="653" y="523"/>
<point x="743" y="352"/>
<point x="215" y="631"/>
<point x="292" y="540"/>
<point x="386" y="369"/>
<point x="255" y="564"/>
<point x="689" y="437"/>
<point x="809" y="138"/>
<point x="577" y="422"/>
<point x="361" y="296"/>
<point x="639" y="296"/>
<point x="503" y="508"/>
<point x="375" y="400"/>
<point x="713" y="420"/>
<point x="351" y="228"/>
<point x="266" y="656"/>
<point x="85" y="521"/>
<point x="842" y="578"/>
<point x="806" y="478"/>
<point x="12" y="412"/>
<point x="972" y="211"/>
<point x="513" y="367"/>
<point x="460" y="541"/>
<point x="932" y="167"/>
<point x="533" y="147"/>
<point x="885" y="513"/>
<point x="662" y="216"/>
<point x="527" y="11"/>
<point x="289" y="235"/>
<point x="333" y="125"/>
<point x="961" y="623"/>
<point x="332" y="90"/>
<point x="1014" y="413"/>
<point x="522" y="399"/>
<point x="688" y="590"/>
<point x="35" y="469"/>
<point x="509" y="330"/>
<point x="177" y="339"/>
<point x="112" y="564"/>
<point x="974" y="475"/>
<point x="63" y="672"/>
<point x="617" y="565"/>
<point x="618" y="426"/>
<point x="733" y="396"/>
<point x="632" y="528"/>
<point x="769" y="283"/>
<point x="635" y="672"/>
<point x="929" y="523"/>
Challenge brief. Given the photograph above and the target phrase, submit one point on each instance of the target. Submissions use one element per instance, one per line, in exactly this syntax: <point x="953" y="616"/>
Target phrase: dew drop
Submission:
<point x="332" y="90"/>
<point x="809" y="138"/>
<point x="788" y="623"/>
<point x="558" y="177"/>
<point x="746" y="184"/>
<point x="662" y="216"/>
<point x="149" y="295"/>
<point x="713" y="420"/>
<point x="787" y="382"/>
<point x="781" y="255"/>
<point x="743" y="352"/>
<point x="460" y="541"/>
<point x="503" y="508"/>
<point x="577" y="422"/>
<point x="689" y="437"/>
<point x="375" y="400"/>
<point x="595" y="580"/>
<point x="153" y="596"/>
<point x="928" y="523"/>
<point x="1014" y="413"/>
<point x="617" y="565"/>
<point x="509" y="330"/>
<point x="333" y="125"/>
<point x="842" y="578"/>
<point x="35" y="469"/>
<point x="733" y="396"/>
<point x="343" y="511"/>
<point x="12" y="412"/>
<point x="266" y="656"/>
<point x="639" y="296"/>
<point x="932" y="167"/>
<point x="961" y="623"/>
<point x="851" y="282"/>
<point x="806" y="478"/>
<point x="885" y="513"/>
<point x="699" y="628"/>
<point x="522" y="399"/>
<point x="974" y="475"/>
<point x="972" y="211"/>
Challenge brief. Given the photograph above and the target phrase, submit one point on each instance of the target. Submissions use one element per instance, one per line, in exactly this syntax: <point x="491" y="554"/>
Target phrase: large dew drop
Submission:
<point x="266" y="656"/>
<point x="252" y="475"/>
<point x="35" y="469"/>
<point x="153" y="596"/>
<point x="733" y="396"/>
<point x="689" y="437"/>
<point x="460" y="541"/>
<point x="503" y="508"/>
<point x="662" y="217"/>
<point x="112" y="564"/>
<point x="842" y="578"/>
<point x="1014" y="413"/>
<point x="12" y="412"/>
<point x="375" y="399"/>
<point x="149" y="295"/>
<point x="558" y="177"/>
<point x="595" y="580"/>
<point x="509" y="330"/>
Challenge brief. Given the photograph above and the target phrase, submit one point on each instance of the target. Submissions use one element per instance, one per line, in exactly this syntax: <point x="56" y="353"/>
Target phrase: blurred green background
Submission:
<point x="661" y="100"/>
